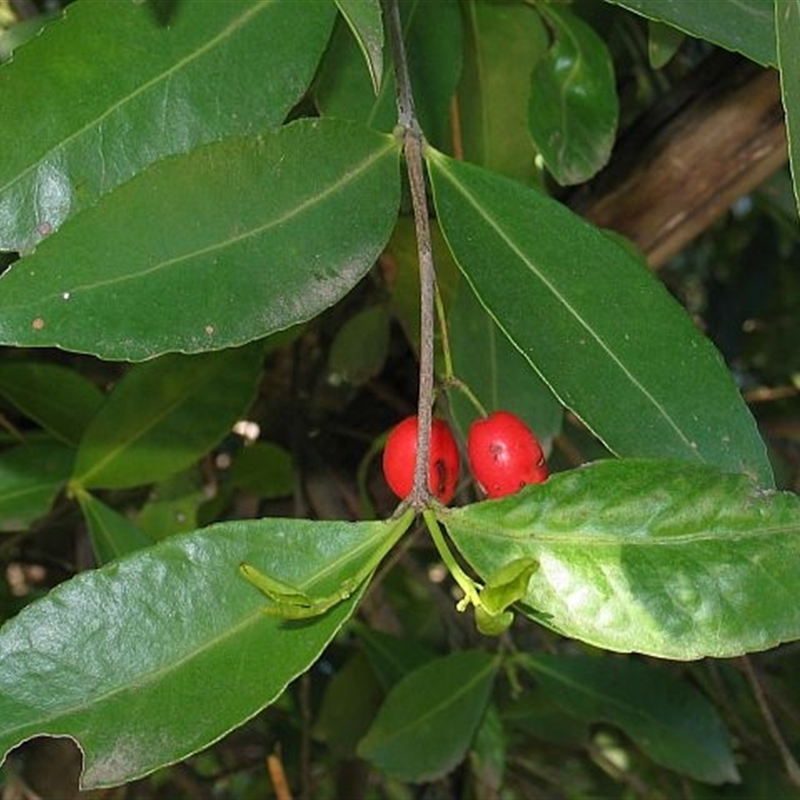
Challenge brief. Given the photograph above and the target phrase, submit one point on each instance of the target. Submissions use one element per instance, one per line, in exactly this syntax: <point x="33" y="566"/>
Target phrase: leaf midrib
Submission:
<point x="587" y="538"/>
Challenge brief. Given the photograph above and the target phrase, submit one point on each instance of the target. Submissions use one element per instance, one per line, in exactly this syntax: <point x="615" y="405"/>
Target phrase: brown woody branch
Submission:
<point x="711" y="140"/>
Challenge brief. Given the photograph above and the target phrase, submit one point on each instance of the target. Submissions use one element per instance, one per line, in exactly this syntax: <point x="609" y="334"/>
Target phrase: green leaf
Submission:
<point x="573" y="109"/>
<point x="505" y="41"/>
<point x="745" y="26"/>
<point x="366" y="22"/>
<point x="172" y="506"/>
<point x="112" y="534"/>
<point x="597" y="326"/>
<point x="359" y="350"/>
<point x="787" y="25"/>
<point x="391" y="657"/>
<point x="488" y="755"/>
<point x="401" y="269"/>
<point x="495" y="371"/>
<point x="433" y="37"/>
<point x="535" y="715"/>
<point x="668" y="719"/>
<point x="31" y="475"/>
<point x="59" y="399"/>
<point x="155" y="656"/>
<point x="349" y="705"/>
<point x="663" y="42"/>
<point x="227" y="244"/>
<point x="659" y="557"/>
<point x="22" y="31"/>
<point x="263" y="468"/>
<point x="115" y="92"/>
<point x="429" y="718"/>
<point x="164" y="415"/>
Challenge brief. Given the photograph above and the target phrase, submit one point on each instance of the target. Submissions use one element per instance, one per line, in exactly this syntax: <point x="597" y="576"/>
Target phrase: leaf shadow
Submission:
<point x="164" y="11"/>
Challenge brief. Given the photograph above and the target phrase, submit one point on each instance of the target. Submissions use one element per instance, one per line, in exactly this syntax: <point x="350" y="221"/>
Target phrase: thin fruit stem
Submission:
<point x="413" y="145"/>
<point x="466" y="583"/>
<point x="444" y="333"/>
<point x="456" y="383"/>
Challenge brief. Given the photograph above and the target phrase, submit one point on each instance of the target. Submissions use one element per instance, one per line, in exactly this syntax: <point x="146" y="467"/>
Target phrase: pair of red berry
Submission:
<point x="503" y="452"/>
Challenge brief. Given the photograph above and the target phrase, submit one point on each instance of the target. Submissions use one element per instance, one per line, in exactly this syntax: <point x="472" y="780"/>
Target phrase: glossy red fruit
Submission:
<point x="504" y="454"/>
<point x="400" y="455"/>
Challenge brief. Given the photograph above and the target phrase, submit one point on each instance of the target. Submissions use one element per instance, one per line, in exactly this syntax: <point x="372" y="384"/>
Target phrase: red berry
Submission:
<point x="504" y="454"/>
<point x="400" y="455"/>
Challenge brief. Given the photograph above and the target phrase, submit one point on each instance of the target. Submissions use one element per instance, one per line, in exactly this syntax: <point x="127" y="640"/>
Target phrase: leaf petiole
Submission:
<point x="291" y="602"/>
<point x="466" y="584"/>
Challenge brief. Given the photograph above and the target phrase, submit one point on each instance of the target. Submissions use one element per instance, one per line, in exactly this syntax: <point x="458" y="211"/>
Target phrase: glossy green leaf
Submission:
<point x="224" y="245"/>
<point x="592" y="320"/>
<point x="112" y="534"/>
<point x="359" y="350"/>
<point x="59" y="399"/>
<point x="668" y="719"/>
<point x="31" y="475"/>
<point x="495" y="371"/>
<point x="366" y="23"/>
<point x="433" y="37"/>
<point x="660" y="557"/>
<point x="787" y="25"/>
<point x="573" y="109"/>
<point x="505" y="41"/>
<point x="109" y="91"/>
<point x="164" y="415"/>
<point x="745" y="26"/>
<point x="157" y="655"/>
<point x="429" y="718"/>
